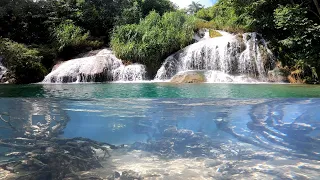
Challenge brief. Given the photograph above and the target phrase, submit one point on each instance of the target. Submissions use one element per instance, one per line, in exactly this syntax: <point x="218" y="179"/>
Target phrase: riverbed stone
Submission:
<point x="189" y="77"/>
<point x="212" y="163"/>
<point x="130" y="175"/>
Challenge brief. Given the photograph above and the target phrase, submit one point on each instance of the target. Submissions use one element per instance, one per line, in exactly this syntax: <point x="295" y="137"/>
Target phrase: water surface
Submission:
<point x="160" y="90"/>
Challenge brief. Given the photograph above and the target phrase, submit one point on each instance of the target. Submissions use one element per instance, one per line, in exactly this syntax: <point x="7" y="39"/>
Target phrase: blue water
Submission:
<point x="125" y="121"/>
<point x="286" y="128"/>
<point x="160" y="90"/>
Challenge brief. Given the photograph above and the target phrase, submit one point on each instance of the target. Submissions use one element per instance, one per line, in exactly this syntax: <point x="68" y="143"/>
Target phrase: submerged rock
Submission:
<point x="188" y="77"/>
<point x="130" y="175"/>
<point x="212" y="163"/>
<point x="179" y="143"/>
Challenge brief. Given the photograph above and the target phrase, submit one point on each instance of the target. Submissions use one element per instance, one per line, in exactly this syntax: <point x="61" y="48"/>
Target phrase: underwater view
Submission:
<point x="159" y="138"/>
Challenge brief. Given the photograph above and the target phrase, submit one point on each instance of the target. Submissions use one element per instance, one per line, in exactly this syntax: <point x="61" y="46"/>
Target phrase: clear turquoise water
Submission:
<point x="274" y="127"/>
<point x="161" y="90"/>
<point x="128" y="120"/>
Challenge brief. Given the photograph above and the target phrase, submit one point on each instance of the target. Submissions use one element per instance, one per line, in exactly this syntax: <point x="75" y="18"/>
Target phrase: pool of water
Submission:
<point x="160" y="90"/>
<point x="181" y="138"/>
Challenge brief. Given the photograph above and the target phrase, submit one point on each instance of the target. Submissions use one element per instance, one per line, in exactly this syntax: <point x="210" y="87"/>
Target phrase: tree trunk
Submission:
<point x="317" y="5"/>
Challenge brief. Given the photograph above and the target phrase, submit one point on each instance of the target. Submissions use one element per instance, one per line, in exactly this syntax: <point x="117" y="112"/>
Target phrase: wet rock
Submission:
<point x="103" y="66"/>
<point x="171" y="131"/>
<point x="7" y="78"/>
<point x="188" y="77"/>
<point x="130" y="175"/>
<point x="212" y="163"/>
<point x="198" y="35"/>
<point x="179" y="143"/>
<point x="49" y="150"/>
<point x="184" y="133"/>
<point x="174" y="132"/>
<point x="276" y="75"/>
<point x="117" y="174"/>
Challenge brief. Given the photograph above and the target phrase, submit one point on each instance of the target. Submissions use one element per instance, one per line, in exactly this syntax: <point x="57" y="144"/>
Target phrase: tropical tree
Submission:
<point x="194" y="7"/>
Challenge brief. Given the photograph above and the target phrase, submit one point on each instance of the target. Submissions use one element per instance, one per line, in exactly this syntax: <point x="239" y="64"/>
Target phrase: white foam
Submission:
<point x="104" y="66"/>
<point x="228" y="58"/>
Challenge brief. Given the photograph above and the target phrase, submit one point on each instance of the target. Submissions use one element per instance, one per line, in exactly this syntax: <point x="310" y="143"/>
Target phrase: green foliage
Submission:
<point x="154" y="38"/>
<point x="202" y="24"/>
<point x="131" y="14"/>
<point x="61" y="29"/>
<point x="223" y="15"/>
<point x="136" y="10"/>
<point x="22" y="61"/>
<point x="69" y="35"/>
<point x="25" y="21"/>
<point x="159" y="6"/>
<point x="300" y="47"/>
<point x="291" y="26"/>
<point x="194" y="7"/>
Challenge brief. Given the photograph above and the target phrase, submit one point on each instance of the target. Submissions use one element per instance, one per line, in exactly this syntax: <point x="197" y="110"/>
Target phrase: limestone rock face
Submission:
<point x="189" y="77"/>
<point x="100" y="67"/>
<point x="277" y="75"/>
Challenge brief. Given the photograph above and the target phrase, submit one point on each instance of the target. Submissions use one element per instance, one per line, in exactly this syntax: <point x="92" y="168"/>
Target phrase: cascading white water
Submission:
<point x="238" y="58"/>
<point x="133" y="72"/>
<point x="255" y="59"/>
<point x="220" y="77"/>
<point x="3" y="69"/>
<point x="102" y="67"/>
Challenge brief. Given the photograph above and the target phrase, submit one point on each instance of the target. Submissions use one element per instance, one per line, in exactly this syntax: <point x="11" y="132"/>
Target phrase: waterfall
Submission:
<point x="3" y="69"/>
<point x="134" y="72"/>
<point x="229" y="58"/>
<point x="103" y="66"/>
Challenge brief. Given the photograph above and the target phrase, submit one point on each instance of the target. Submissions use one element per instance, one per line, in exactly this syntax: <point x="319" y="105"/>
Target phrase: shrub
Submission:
<point x="224" y="16"/>
<point x="72" y="39"/>
<point x="153" y="39"/>
<point x="22" y="62"/>
<point x="202" y="24"/>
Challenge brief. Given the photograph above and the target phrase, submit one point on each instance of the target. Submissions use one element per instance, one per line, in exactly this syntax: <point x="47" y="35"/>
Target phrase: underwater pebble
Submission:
<point x="212" y="163"/>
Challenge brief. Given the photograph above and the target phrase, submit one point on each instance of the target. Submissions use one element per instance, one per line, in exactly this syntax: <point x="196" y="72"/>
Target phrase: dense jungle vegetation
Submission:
<point x="35" y="34"/>
<point x="292" y="28"/>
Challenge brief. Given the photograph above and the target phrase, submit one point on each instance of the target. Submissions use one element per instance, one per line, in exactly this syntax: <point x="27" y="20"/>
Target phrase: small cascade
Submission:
<point x="3" y="69"/>
<point x="239" y="57"/>
<point x="133" y="72"/>
<point x="104" y="66"/>
<point x="220" y="77"/>
<point x="256" y="58"/>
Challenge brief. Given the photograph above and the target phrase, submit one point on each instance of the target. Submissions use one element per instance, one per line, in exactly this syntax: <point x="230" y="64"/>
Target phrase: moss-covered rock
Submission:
<point x="189" y="77"/>
<point x="213" y="33"/>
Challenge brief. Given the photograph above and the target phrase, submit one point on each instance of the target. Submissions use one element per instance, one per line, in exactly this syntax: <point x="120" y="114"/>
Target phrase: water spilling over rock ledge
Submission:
<point x="228" y="59"/>
<point x="101" y="67"/>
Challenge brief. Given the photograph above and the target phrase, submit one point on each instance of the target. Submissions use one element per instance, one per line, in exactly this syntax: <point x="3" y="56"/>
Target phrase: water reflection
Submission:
<point x="160" y="90"/>
<point x="227" y="138"/>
